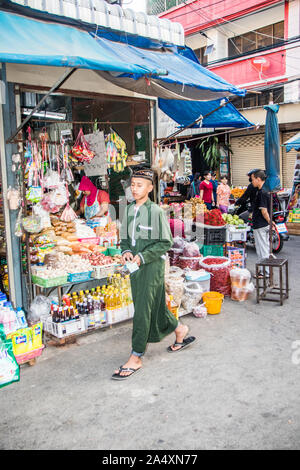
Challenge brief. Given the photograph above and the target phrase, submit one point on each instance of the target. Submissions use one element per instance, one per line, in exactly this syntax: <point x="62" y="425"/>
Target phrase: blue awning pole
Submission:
<point x="201" y="118"/>
<point x="57" y="85"/>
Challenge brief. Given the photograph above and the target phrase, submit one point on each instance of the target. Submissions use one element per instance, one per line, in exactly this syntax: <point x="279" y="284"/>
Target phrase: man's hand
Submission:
<point x="127" y="257"/>
<point x="137" y="260"/>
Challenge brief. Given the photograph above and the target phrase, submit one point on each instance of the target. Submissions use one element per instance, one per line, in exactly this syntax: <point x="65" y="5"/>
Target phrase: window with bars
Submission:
<point x="251" y="100"/>
<point x="154" y="7"/>
<point x="257" y="39"/>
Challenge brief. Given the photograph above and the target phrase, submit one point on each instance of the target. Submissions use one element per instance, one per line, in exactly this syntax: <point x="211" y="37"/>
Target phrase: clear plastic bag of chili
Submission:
<point x="219" y="267"/>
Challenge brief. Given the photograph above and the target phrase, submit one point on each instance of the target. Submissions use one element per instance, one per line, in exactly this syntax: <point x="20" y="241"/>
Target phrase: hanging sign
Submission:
<point x="98" y="165"/>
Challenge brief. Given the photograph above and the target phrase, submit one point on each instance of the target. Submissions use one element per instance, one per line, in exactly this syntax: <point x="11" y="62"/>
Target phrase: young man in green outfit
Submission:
<point x="145" y="239"/>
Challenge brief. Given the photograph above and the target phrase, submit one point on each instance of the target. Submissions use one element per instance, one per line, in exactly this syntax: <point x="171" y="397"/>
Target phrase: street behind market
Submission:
<point x="237" y="387"/>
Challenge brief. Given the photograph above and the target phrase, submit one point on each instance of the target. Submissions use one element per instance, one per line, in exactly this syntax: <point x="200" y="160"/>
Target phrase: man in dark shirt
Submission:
<point x="248" y="196"/>
<point x="261" y="217"/>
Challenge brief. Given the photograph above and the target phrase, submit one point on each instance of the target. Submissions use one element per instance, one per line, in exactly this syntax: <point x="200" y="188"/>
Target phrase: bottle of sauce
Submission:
<point x="172" y="306"/>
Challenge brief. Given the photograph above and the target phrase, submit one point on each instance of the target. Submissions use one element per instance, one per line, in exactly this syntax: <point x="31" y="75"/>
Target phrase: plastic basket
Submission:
<point x="236" y="235"/>
<point x="79" y="277"/>
<point x="61" y="330"/>
<point x="92" y="240"/>
<point x="101" y="272"/>
<point x="112" y="251"/>
<point x="21" y="358"/>
<point x="58" y="281"/>
<point x="210" y="235"/>
<point x="211" y="250"/>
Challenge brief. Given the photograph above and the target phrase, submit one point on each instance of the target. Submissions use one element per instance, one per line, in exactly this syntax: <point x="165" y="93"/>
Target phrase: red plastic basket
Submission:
<point x="21" y="358"/>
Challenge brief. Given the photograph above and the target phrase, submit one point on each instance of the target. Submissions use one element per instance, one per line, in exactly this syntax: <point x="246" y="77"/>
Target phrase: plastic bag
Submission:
<point x="189" y="263"/>
<point x="175" y="287"/>
<point x="176" y="271"/>
<point x="81" y="150"/>
<point x="68" y="214"/>
<point x="39" y="211"/>
<point x="220" y="268"/>
<point x="14" y="199"/>
<point x="191" y="250"/>
<point x="39" y="309"/>
<point x="32" y="224"/>
<point x="179" y="243"/>
<point x="241" y="294"/>
<point x="192" y="296"/>
<point x="9" y="368"/>
<point x="174" y="254"/>
<point x="200" y="311"/>
<point x="240" y="277"/>
<point x="51" y="179"/>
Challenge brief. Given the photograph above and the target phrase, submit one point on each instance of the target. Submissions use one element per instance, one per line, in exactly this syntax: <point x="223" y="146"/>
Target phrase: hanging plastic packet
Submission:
<point x="14" y="199"/>
<point x="34" y="194"/>
<point x="18" y="226"/>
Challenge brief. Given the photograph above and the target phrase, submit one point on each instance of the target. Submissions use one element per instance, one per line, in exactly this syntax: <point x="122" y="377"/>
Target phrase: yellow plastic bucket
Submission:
<point x="213" y="302"/>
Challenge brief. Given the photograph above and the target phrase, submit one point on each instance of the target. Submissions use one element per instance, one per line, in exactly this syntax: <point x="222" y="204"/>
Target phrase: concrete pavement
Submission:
<point x="236" y="388"/>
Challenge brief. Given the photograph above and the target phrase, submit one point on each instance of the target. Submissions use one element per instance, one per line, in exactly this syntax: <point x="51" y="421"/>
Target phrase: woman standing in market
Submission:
<point x="206" y="190"/>
<point x="223" y="195"/>
<point x="95" y="202"/>
<point x="145" y="239"/>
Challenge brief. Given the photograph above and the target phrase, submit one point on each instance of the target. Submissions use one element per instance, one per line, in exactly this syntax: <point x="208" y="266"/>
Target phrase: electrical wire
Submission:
<point x="222" y="18"/>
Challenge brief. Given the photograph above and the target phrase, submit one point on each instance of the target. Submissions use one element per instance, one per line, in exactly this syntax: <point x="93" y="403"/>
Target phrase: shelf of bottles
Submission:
<point x="90" y="309"/>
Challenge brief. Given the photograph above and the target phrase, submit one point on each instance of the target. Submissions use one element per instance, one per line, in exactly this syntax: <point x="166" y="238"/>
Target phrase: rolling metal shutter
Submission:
<point x="288" y="161"/>
<point x="248" y="153"/>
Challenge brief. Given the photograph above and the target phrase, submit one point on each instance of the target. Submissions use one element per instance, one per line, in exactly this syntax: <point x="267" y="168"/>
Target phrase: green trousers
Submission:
<point x="152" y="320"/>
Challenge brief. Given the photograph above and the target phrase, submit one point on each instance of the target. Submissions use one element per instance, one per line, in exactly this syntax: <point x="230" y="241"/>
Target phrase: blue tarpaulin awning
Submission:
<point x="189" y="111"/>
<point x="185" y="89"/>
<point x="293" y="143"/>
<point x="30" y="41"/>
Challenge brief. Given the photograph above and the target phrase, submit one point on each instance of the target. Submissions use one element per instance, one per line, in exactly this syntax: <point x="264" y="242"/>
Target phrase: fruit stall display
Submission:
<point x="233" y="220"/>
<point x="237" y="192"/>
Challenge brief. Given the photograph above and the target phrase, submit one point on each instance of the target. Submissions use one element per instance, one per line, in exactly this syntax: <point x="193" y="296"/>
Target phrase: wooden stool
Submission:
<point x="282" y="291"/>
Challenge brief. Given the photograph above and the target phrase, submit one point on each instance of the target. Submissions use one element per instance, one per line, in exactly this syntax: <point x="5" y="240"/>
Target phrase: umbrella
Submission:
<point x="272" y="149"/>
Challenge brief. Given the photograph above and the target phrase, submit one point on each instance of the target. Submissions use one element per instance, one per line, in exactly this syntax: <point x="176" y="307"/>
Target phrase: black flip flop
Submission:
<point x="118" y="376"/>
<point x="185" y="343"/>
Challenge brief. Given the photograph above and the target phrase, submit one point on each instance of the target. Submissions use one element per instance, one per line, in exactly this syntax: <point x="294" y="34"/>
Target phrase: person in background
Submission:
<point x="261" y="217"/>
<point x="248" y="196"/>
<point x="163" y="184"/>
<point x="95" y="202"/>
<point x="215" y="185"/>
<point x="194" y="189"/>
<point x="223" y="194"/>
<point x="206" y="190"/>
